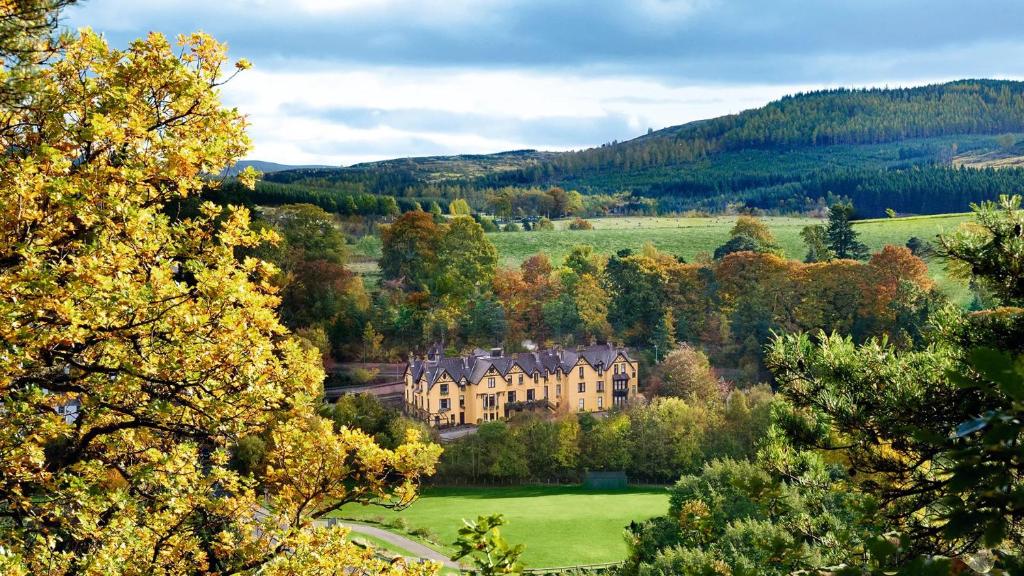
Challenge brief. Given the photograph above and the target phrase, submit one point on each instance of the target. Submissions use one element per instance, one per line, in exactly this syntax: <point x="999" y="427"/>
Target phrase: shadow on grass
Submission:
<point x="534" y="491"/>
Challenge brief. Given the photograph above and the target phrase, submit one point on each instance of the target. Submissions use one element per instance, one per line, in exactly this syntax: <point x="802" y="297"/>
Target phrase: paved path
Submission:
<point x="412" y="546"/>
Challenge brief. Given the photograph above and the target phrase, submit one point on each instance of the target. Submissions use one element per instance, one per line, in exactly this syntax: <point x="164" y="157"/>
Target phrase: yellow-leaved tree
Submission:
<point x="137" y="350"/>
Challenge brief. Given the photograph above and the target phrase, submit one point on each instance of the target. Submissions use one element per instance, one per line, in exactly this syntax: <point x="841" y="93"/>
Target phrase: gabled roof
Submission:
<point x="474" y="368"/>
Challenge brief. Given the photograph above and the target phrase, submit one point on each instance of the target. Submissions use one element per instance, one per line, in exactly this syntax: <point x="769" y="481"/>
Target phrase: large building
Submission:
<point x="484" y="386"/>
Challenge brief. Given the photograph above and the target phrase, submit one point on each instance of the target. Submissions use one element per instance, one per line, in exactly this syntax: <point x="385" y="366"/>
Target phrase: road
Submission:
<point x="412" y="546"/>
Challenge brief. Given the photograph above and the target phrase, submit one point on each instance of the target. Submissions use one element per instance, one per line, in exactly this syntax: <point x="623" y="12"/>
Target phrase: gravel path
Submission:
<point x="412" y="546"/>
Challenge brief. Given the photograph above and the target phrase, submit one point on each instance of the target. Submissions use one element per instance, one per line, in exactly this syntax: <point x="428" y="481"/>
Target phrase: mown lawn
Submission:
<point x="559" y="525"/>
<point x="691" y="237"/>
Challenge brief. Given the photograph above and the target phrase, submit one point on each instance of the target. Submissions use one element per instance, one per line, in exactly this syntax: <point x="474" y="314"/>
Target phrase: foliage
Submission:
<point x="842" y="238"/>
<point x="749" y="234"/>
<point x="654" y="442"/>
<point x="736" y="517"/>
<point x="990" y="248"/>
<point x="686" y="373"/>
<point x="932" y="434"/>
<point x="580" y="224"/>
<point x="481" y="540"/>
<point x="139" y="351"/>
<point x="543" y="225"/>
<point x="459" y="207"/>
<point x="816" y="239"/>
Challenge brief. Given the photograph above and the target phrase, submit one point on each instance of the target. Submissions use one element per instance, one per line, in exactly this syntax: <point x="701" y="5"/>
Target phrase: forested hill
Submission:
<point x="897" y="148"/>
<point x="823" y="118"/>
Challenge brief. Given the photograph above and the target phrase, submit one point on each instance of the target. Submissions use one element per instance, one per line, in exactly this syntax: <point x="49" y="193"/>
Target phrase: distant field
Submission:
<point x="560" y="526"/>
<point x="690" y="237"/>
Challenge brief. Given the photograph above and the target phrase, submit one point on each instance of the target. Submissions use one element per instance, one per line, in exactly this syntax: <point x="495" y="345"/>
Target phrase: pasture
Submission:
<point x="693" y="238"/>
<point x="560" y="525"/>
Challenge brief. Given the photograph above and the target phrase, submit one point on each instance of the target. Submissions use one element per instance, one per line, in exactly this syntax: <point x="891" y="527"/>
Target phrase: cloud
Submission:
<point x="338" y="117"/>
<point x="339" y="81"/>
<point x="691" y="40"/>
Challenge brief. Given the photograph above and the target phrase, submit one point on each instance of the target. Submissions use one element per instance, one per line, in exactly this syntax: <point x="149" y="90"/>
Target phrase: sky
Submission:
<point x="338" y="82"/>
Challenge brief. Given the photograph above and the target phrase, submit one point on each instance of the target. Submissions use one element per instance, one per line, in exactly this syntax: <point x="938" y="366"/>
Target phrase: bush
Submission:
<point x="512" y="227"/>
<point x="486" y="223"/>
<point x="580" y="224"/>
<point x="544" y="224"/>
<point x="399" y="523"/>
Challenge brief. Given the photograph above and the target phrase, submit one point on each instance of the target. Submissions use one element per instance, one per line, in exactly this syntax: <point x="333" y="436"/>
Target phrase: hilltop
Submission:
<point x="901" y="148"/>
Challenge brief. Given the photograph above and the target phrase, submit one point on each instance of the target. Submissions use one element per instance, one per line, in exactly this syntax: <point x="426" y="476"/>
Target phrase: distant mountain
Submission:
<point x="904" y="148"/>
<point x="267" y="167"/>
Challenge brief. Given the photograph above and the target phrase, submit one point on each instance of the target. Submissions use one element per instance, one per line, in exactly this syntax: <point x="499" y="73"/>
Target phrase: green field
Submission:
<point x="559" y="525"/>
<point x="692" y="237"/>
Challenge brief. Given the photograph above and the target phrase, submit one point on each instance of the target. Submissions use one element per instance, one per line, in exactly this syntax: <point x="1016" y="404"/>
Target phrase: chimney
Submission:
<point x="495" y="352"/>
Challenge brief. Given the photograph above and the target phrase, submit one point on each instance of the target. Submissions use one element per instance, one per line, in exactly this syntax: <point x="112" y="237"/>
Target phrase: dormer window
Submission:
<point x="490" y="383"/>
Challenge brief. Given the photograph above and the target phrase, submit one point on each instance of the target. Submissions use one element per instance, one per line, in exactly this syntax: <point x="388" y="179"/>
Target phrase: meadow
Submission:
<point x="694" y="238"/>
<point x="560" y="525"/>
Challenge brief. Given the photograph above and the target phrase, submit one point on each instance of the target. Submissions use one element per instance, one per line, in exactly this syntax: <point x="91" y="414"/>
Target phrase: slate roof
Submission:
<point x="543" y="362"/>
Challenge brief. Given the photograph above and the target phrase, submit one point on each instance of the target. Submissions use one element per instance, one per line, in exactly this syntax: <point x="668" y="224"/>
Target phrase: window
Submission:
<point x="445" y="404"/>
<point x="490" y="382"/>
<point x="529" y="395"/>
<point x="490" y="401"/>
<point x="600" y="402"/>
<point x="558" y="374"/>
<point x="545" y="392"/>
<point x="558" y="390"/>
<point x="512" y="396"/>
<point x="462" y="401"/>
<point x="520" y="379"/>
<point x="600" y="386"/>
<point x="581" y="405"/>
<point x="536" y="377"/>
<point x="600" y="370"/>
<point x="616" y="368"/>
<point x="444" y="389"/>
<point x="582" y="387"/>
<point x="581" y="371"/>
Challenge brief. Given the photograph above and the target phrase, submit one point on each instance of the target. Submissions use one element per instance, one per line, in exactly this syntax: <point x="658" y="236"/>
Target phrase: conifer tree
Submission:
<point x="842" y="238"/>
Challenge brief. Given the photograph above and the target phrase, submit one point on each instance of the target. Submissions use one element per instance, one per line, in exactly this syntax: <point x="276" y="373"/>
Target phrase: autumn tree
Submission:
<point x="139" y="351"/>
<point x="686" y="373"/>
<point x="459" y="207"/>
<point x="749" y="234"/>
<point x="888" y="269"/>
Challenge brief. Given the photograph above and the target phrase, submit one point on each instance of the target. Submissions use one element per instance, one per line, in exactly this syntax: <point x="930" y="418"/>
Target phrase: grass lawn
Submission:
<point x="559" y="525"/>
<point x="690" y="237"/>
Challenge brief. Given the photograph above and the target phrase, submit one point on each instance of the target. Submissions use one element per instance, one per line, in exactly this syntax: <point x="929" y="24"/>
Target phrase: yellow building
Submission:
<point x="486" y="386"/>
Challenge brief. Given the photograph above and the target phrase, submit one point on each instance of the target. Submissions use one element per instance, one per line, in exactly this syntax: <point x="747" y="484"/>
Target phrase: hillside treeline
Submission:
<point x="822" y="118"/>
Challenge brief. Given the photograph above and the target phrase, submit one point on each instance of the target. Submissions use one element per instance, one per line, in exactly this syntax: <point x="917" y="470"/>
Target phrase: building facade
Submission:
<point x="488" y="385"/>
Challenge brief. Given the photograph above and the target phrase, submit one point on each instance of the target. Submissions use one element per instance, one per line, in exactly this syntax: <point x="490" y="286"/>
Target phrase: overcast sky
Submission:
<point x="344" y="81"/>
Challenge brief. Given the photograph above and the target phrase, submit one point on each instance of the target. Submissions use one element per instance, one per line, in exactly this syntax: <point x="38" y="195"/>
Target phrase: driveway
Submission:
<point x="412" y="546"/>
